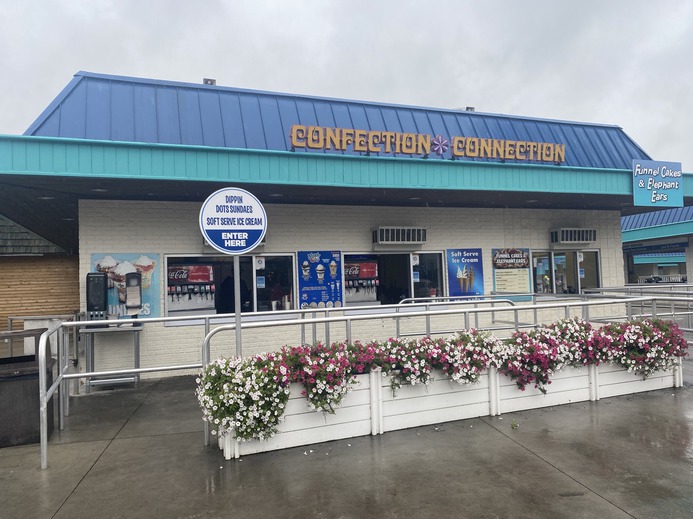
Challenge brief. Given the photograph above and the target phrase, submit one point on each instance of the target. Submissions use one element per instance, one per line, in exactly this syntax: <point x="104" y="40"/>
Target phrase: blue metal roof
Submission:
<point x="657" y="218"/>
<point x="106" y="107"/>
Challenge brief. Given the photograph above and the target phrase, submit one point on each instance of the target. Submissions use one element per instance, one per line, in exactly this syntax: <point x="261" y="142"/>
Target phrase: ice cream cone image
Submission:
<point x="465" y="279"/>
<point x="305" y="268"/>
<point x="333" y="269"/>
<point x="145" y="266"/>
<point x="119" y="274"/>
<point x="471" y="279"/>
<point x="460" y="278"/>
<point x="320" y="271"/>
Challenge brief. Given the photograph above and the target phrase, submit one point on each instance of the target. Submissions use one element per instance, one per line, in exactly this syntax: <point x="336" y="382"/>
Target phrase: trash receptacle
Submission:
<point x="19" y="394"/>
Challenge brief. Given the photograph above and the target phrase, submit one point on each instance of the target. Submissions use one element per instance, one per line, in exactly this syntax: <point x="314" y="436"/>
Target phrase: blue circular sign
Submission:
<point x="233" y="221"/>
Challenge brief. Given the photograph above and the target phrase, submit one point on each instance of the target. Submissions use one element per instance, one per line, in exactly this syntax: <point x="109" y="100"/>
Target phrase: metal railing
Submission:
<point x="462" y="310"/>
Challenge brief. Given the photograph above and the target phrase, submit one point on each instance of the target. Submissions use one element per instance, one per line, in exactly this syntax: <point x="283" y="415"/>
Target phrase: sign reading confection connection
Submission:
<point x="657" y="184"/>
<point x="233" y="221"/>
<point x="399" y="143"/>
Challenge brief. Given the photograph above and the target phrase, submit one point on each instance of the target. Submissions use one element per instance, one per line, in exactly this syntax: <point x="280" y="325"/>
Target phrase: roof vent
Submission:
<point x="399" y="235"/>
<point x="209" y="81"/>
<point x="470" y="109"/>
<point x="568" y="236"/>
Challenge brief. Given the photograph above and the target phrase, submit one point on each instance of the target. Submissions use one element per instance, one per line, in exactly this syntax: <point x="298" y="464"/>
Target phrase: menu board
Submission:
<point x="320" y="279"/>
<point x="511" y="270"/>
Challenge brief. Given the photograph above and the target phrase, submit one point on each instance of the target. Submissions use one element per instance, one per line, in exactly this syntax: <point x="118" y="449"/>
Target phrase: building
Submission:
<point x="366" y="203"/>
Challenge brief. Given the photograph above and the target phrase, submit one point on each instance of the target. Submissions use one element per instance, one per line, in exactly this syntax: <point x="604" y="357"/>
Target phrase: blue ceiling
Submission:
<point x="117" y="108"/>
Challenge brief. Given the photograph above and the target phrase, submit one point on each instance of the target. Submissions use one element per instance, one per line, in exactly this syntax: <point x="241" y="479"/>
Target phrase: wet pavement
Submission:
<point x="139" y="453"/>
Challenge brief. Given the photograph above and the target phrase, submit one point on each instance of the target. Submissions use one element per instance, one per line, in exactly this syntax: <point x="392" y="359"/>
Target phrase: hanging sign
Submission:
<point x="657" y="184"/>
<point x="233" y="221"/>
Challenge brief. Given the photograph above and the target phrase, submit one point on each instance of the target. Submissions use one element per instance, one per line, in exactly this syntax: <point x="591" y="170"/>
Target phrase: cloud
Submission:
<point x="620" y="62"/>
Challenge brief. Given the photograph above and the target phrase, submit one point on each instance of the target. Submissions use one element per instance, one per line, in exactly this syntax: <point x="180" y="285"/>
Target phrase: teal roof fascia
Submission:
<point x="661" y="231"/>
<point x="30" y="155"/>
<point x="659" y="259"/>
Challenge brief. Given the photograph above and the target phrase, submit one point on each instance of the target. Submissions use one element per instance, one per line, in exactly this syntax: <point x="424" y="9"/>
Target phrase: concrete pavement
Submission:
<point x="138" y="453"/>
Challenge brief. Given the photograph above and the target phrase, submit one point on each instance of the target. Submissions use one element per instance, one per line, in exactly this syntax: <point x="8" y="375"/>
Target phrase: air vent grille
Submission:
<point x="399" y="235"/>
<point x="573" y="235"/>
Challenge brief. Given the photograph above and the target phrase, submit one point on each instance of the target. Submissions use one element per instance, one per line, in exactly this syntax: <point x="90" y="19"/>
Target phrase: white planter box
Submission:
<point x="442" y="400"/>
<point x="567" y="386"/>
<point x="614" y="381"/>
<point x="370" y="407"/>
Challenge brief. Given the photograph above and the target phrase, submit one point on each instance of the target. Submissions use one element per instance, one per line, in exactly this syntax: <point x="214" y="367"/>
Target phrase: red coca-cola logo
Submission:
<point x="182" y="274"/>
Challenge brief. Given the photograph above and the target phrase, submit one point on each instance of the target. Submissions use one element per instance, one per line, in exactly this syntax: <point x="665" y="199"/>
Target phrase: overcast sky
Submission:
<point x="622" y="62"/>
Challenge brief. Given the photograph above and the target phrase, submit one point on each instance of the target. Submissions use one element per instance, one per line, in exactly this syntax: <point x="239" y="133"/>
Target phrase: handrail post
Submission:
<point x="348" y="331"/>
<point x="315" y="329"/>
<point x="397" y="330"/>
<point x="205" y="362"/>
<point x="62" y="396"/>
<point x="43" y="397"/>
<point x="303" y="328"/>
<point x="654" y="308"/>
<point x="517" y="320"/>
<point x="327" y="329"/>
<point x="428" y="321"/>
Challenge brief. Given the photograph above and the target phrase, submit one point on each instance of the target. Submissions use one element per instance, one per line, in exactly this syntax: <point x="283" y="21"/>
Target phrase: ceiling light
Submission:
<point x="45" y="198"/>
<point x="99" y="190"/>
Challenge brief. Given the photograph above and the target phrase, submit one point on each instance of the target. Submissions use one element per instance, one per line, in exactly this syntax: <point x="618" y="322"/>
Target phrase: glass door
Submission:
<point x="543" y="273"/>
<point x="565" y="272"/>
<point x="427" y="274"/>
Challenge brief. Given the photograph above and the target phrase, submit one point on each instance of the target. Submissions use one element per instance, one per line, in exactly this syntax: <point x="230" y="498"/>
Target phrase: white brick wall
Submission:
<point x="171" y="228"/>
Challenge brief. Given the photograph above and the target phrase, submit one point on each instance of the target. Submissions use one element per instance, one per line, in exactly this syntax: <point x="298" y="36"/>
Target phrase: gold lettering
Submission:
<point x="360" y="140"/>
<point x="498" y="149"/>
<point x="520" y="150"/>
<point x="484" y="148"/>
<point x="457" y="148"/>
<point x="423" y="144"/>
<point x="332" y="138"/>
<point x="472" y="147"/>
<point x="560" y="153"/>
<point x="388" y="138"/>
<point x="298" y="136"/>
<point x="347" y="137"/>
<point x="509" y="150"/>
<point x="547" y="154"/>
<point x="316" y="137"/>
<point x="532" y="147"/>
<point x="408" y="143"/>
<point x="373" y="141"/>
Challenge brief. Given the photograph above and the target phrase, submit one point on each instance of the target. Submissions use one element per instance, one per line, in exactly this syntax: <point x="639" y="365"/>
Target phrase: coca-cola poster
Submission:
<point x="116" y="266"/>
<point x="187" y="274"/>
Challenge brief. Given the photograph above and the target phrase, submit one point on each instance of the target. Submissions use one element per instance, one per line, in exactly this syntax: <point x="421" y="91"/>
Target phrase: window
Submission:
<point x="204" y="285"/>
